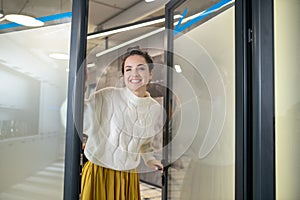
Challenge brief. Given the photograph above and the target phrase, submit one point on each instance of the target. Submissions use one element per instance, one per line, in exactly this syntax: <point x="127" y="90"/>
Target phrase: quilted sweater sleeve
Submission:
<point x="88" y="113"/>
<point x="91" y="106"/>
<point x="147" y="150"/>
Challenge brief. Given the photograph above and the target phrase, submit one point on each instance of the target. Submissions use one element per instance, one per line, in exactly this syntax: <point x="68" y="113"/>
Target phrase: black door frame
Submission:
<point x="263" y="114"/>
<point x="243" y="155"/>
<point x="75" y="100"/>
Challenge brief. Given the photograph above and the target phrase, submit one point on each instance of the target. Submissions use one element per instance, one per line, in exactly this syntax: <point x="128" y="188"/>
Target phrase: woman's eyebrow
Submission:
<point x="129" y="66"/>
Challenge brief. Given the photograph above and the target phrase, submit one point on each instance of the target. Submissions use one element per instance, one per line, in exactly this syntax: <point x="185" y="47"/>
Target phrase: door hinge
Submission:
<point x="250" y="35"/>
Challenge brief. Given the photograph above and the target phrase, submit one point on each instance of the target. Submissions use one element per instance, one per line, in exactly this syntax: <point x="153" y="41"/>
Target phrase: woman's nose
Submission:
<point x="135" y="72"/>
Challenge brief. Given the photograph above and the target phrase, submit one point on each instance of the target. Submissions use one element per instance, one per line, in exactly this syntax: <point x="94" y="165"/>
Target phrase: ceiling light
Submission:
<point x="129" y="27"/>
<point x="148" y="1"/>
<point x="90" y="65"/>
<point x="59" y="56"/>
<point x="126" y="28"/>
<point x="24" y="20"/>
<point x="178" y="68"/>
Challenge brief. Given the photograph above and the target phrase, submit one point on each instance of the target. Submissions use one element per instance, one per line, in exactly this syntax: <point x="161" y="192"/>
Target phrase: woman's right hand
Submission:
<point x="155" y="165"/>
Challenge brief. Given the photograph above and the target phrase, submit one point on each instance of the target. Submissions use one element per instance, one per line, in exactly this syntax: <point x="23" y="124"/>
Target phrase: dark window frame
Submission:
<point x="263" y="117"/>
<point x="75" y="100"/>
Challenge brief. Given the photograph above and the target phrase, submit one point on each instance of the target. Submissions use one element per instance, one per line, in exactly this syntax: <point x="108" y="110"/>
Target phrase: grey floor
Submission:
<point x="149" y="192"/>
<point x="43" y="185"/>
<point x="47" y="184"/>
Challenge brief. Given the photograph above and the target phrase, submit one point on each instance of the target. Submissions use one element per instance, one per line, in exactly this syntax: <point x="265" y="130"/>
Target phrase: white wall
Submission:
<point x="287" y="98"/>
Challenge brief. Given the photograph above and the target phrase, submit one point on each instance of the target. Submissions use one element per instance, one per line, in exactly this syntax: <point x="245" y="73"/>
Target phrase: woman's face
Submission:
<point x="137" y="74"/>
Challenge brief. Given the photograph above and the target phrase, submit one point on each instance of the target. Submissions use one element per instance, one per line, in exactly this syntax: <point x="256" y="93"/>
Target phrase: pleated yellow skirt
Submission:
<point x="99" y="183"/>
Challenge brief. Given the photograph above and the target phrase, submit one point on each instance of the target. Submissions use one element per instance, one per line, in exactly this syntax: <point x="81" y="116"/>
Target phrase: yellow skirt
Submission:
<point x="99" y="183"/>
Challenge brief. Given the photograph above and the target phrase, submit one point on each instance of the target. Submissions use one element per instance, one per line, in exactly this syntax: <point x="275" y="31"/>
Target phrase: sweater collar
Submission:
<point x="135" y="99"/>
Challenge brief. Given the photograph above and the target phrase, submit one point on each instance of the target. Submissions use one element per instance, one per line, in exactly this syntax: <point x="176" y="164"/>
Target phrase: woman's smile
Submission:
<point x="134" y="81"/>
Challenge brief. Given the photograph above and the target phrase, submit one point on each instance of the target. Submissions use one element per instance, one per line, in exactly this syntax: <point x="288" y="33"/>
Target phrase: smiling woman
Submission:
<point x="121" y="124"/>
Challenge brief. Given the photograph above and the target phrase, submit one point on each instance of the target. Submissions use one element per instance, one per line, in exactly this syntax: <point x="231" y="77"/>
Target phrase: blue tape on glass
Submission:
<point x="43" y="19"/>
<point x="180" y="27"/>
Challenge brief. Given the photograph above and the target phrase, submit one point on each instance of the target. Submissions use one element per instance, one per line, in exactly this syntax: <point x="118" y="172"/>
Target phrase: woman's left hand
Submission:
<point x="155" y="165"/>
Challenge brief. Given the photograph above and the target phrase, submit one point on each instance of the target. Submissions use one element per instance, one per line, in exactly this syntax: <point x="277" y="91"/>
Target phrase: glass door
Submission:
<point x="200" y="137"/>
<point x="34" y="66"/>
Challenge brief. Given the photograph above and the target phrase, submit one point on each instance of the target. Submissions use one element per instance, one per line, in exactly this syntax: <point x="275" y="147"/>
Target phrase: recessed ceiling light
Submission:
<point x="178" y="68"/>
<point x="91" y="65"/>
<point x="130" y="27"/>
<point x="24" y="20"/>
<point x="59" y="56"/>
<point x="148" y="1"/>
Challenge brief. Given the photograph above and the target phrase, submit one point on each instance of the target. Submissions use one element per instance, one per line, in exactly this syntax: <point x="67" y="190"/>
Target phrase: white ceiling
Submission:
<point x="27" y="52"/>
<point x="102" y="13"/>
<point x="24" y="43"/>
<point x="26" y="49"/>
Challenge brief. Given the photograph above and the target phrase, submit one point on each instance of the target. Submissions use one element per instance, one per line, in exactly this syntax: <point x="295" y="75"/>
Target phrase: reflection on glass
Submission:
<point x="287" y="98"/>
<point x="14" y="113"/>
<point x="32" y="86"/>
<point x="203" y="120"/>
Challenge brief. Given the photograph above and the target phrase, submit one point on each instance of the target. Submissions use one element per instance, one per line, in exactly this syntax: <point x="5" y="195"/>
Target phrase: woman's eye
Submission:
<point x="127" y="70"/>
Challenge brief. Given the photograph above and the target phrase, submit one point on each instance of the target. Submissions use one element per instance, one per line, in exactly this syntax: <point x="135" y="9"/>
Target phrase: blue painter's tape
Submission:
<point x="43" y="19"/>
<point x="9" y="25"/>
<point x="180" y="27"/>
<point x="55" y="17"/>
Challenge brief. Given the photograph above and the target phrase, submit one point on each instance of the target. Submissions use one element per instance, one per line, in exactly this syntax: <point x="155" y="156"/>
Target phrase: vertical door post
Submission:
<point x="75" y="99"/>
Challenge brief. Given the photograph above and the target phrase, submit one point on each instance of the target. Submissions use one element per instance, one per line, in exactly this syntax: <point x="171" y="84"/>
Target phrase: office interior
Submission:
<point x="204" y="149"/>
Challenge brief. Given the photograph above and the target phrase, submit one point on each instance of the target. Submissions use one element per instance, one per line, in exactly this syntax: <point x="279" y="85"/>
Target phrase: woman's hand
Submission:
<point x="155" y="165"/>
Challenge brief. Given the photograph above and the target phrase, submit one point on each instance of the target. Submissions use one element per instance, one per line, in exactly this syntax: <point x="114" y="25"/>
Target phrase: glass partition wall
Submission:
<point x="104" y="58"/>
<point x="202" y="152"/>
<point x="201" y="136"/>
<point x="33" y="88"/>
<point x="200" y="146"/>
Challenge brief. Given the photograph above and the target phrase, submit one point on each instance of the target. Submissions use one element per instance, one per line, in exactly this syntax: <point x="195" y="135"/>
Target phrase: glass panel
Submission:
<point x="104" y="53"/>
<point x="203" y="121"/>
<point x="104" y="58"/>
<point x="33" y="88"/>
<point x="125" y="37"/>
<point x="287" y="98"/>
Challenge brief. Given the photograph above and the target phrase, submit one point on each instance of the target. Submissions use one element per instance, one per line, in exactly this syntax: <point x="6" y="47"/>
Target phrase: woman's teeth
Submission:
<point x="135" y="81"/>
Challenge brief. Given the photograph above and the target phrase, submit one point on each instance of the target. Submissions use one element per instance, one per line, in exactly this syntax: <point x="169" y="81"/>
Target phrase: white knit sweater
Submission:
<point x="120" y="127"/>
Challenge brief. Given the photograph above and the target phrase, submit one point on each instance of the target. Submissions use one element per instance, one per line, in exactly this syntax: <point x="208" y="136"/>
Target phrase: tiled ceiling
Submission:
<point x="100" y="11"/>
<point x="29" y="43"/>
<point x="35" y="44"/>
<point x="102" y="15"/>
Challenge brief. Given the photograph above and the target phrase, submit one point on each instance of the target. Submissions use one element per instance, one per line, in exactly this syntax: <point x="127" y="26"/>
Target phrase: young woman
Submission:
<point x="121" y="124"/>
